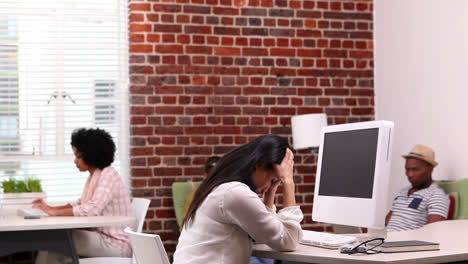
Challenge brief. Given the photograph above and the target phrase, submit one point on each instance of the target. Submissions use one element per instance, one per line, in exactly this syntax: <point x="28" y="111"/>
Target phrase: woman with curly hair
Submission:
<point x="104" y="194"/>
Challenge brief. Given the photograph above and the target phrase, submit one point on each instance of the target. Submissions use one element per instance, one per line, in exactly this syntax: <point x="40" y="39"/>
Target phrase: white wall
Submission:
<point x="421" y="80"/>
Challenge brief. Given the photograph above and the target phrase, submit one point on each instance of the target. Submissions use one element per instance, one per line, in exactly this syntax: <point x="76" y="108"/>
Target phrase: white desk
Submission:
<point x="49" y="233"/>
<point x="452" y="236"/>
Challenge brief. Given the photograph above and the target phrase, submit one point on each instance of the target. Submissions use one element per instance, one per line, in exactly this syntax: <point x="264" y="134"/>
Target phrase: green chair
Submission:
<point x="180" y="191"/>
<point x="459" y="190"/>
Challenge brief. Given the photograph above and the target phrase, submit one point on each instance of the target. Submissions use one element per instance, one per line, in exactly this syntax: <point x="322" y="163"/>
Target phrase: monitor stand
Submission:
<point x="374" y="233"/>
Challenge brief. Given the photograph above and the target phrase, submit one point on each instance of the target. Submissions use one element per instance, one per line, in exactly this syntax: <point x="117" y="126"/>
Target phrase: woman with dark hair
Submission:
<point x="104" y="194"/>
<point x="226" y="214"/>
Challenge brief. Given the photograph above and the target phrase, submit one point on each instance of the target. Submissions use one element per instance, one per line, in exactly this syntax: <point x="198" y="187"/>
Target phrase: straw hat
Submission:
<point x="423" y="153"/>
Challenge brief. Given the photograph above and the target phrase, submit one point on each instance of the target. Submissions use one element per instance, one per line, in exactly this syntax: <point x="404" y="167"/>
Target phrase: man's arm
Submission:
<point x="387" y="218"/>
<point x="435" y="218"/>
<point x="438" y="207"/>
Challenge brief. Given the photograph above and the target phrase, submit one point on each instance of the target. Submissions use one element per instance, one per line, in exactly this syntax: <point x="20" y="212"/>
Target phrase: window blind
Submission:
<point x="63" y="65"/>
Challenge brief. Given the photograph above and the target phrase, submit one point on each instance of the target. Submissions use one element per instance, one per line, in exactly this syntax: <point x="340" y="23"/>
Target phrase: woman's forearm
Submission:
<point x="289" y="194"/>
<point x="64" y="210"/>
<point x="269" y="199"/>
<point x="61" y="206"/>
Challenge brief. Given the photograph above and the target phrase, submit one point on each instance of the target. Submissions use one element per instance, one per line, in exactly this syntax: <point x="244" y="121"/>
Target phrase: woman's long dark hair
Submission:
<point x="239" y="165"/>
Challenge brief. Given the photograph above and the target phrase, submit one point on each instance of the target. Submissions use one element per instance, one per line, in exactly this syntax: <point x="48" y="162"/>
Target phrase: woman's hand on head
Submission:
<point x="285" y="173"/>
<point x="284" y="170"/>
<point x="273" y="187"/>
<point x="269" y="196"/>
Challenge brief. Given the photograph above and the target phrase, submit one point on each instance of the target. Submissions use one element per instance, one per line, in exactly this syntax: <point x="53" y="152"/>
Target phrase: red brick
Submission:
<point x="165" y="70"/>
<point x="350" y="101"/>
<point x="228" y="120"/>
<point x="240" y="3"/>
<point x="295" y="4"/>
<point x="308" y="4"/>
<point x="224" y="110"/>
<point x="141" y="131"/>
<point x="137" y="38"/>
<point x="140" y="28"/>
<point x="167" y="8"/>
<point x="153" y="38"/>
<point x="142" y="110"/>
<point x="139" y="183"/>
<point x="168" y="59"/>
<point x="199" y="120"/>
<point x="138" y="120"/>
<point x="224" y="51"/>
<point x="169" y="90"/>
<point x="197" y="151"/>
<point x="174" y="110"/>
<point x="140" y="7"/>
<point x="141" y="48"/>
<point x="255" y="111"/>
<point x="141" y="172"/>
<point x="362" y="92"/>
<point x="153" y="17"/>
<point x="283" y="52"/>
<point x="254" y="2"/>
<point x="136" y="18"/>
<point x="254" y="71"/>
<point x="198" y="50"/>
<point x="190" y="29"/>
<point x="138" y="141"/>
<point x="361" y="54"/>
<point x="255" y="130"/>
<point x="337" y="111"/>
<point x="169" y="100"/>
<point x="144" y="151"/>
<point x="198" y="110"/>
<point x="309" y="53"/>
<point x="255" y="90"/>
<point x="168" y="38"/>
<point x="169" y="49"/>
<point x="198" y="130"/>
<point x="197" y="9"/>
<point x="282" y="111"/>
<point x="141" y="69"/>
<point x="283" y="72"/>
<point x="309" y="110"/>
<point x="164" y="151"/>
<point x="226" y="31"/>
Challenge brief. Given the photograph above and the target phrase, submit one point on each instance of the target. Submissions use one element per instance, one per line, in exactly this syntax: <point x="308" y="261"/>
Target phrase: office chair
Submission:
<point x="147" y="248"/>
<point x="180" y="192"/>
<point x="139" y="209"/>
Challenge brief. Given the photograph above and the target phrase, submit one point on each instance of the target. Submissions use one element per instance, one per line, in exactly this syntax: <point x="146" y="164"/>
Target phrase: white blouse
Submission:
<point x="223" y="223"/>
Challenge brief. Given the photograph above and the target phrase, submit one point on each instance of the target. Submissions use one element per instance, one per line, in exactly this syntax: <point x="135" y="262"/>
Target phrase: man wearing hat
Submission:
<point x="424" y="201"/>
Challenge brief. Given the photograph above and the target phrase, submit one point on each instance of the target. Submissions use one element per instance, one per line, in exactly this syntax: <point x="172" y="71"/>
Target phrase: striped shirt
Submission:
<point x="110" y="198"/>
<point x="411" y="211"/>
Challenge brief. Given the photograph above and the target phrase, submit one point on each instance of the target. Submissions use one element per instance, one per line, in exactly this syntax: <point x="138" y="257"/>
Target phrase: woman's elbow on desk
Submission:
<point x="287" y="243"/>
<point x="86" y="210"/>
<point x="289" y="246"/>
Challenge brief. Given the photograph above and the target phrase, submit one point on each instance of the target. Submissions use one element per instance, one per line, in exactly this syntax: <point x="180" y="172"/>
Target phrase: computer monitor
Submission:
<point x="353" y="174"/>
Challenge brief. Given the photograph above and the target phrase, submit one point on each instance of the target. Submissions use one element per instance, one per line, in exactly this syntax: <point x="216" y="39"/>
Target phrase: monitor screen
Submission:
<point x="344" y="173"/>
<point x="353" y="174"/>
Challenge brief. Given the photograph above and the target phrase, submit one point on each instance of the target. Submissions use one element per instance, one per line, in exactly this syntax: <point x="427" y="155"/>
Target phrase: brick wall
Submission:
<point x="208" y="75"/>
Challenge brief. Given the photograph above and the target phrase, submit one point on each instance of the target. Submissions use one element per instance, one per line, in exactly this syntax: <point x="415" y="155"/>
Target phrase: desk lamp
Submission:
<point x="306" y="130"/>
